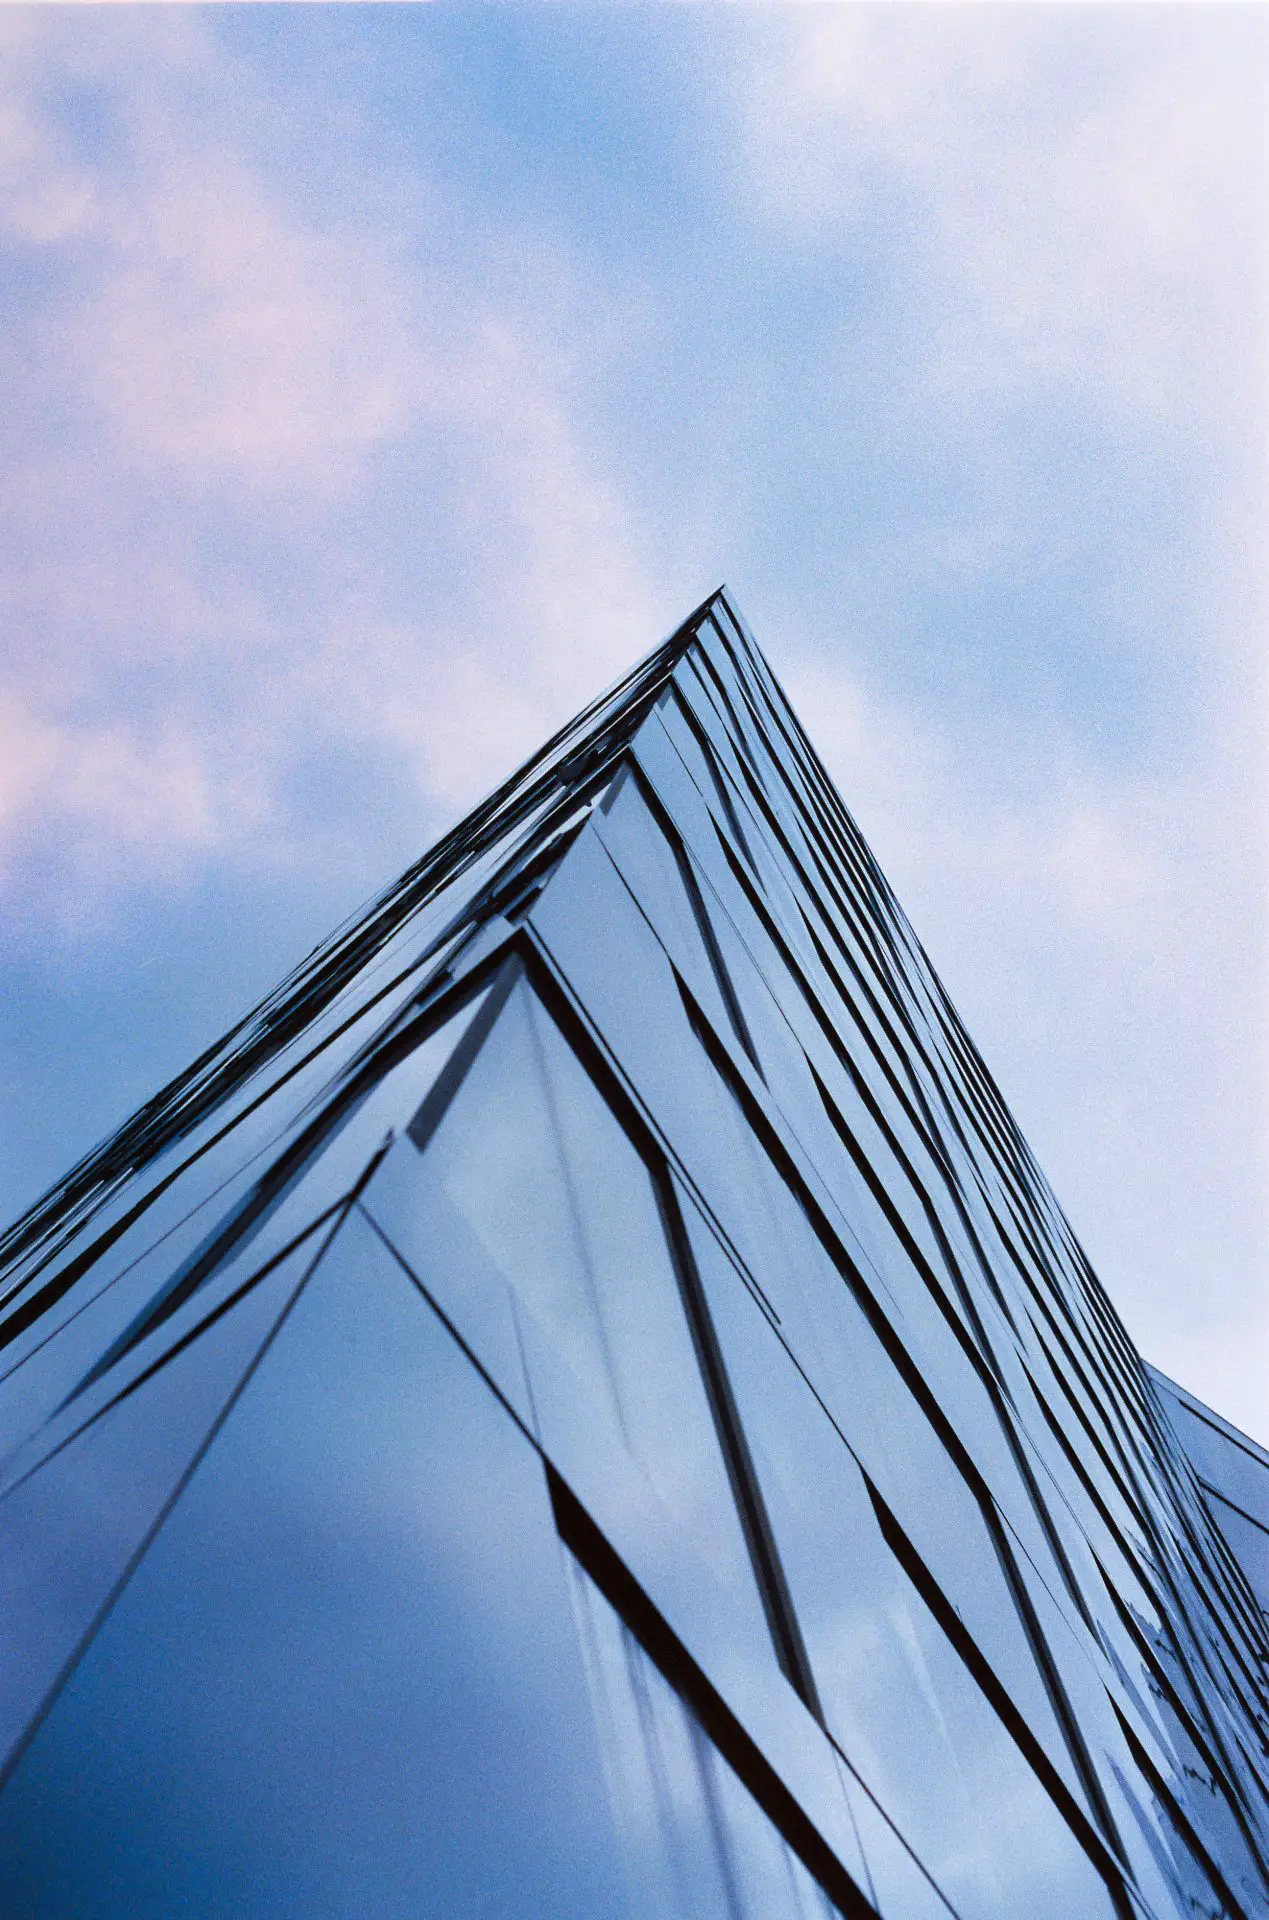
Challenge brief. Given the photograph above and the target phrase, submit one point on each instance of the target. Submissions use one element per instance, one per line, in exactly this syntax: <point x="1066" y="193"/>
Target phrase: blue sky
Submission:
<point x="377" y="383"/>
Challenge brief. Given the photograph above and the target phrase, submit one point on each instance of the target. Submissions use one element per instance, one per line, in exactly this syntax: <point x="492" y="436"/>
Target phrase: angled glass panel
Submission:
<point x="523" y="1185"/>
<point x="55" y="1353"/>
<point x="635" y="1003"/>
<point x="1231" y="1465"/>
<point x="207" y="1146"/>
<point x="69" y="1527"/>
<point x="287" y="1048"/>
<point x="1249" y="1542"/>
<point x="711" y="840"/>
<point x="901" y="1887"/>
<point x="694" y="1840"/>
<point x="671" y="903"/>
<point x="315" y="1173"/>
<point x="345" y="1678"/>
<point x="729" y="797"/>
<point x="896" y="1695"/>
<point x="1183" y="1876"/>
<point x="663" y="766"/>
<point x="217" y="1204"/>
<point x="746" y="830"/>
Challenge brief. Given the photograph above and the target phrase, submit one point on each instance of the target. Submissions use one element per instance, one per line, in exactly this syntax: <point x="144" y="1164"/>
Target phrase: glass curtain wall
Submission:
<point x="584" y="1403"/>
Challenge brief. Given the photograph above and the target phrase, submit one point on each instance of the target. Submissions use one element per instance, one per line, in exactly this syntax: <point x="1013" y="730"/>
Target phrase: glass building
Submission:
<point x="584" y="1404"/>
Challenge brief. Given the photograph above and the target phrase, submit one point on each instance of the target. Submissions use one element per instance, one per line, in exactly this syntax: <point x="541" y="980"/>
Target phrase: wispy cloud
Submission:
<point x="214" y="391"/>
<point x="1080" y="182"/>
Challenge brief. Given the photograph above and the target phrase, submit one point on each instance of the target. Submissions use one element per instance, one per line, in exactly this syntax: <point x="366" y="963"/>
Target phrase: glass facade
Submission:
<point x="584" y="1404"/>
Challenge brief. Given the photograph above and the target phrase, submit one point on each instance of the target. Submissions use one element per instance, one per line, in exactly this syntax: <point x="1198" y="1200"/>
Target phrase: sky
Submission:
<point x="376" y="384"/>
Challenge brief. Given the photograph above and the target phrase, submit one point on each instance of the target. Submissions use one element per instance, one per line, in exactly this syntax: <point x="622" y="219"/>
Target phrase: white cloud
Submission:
<point x="1084" y="187"/>
<point x="115" y="791"/>
<point x="209" y="373"/>
<point x="227" y="338"/>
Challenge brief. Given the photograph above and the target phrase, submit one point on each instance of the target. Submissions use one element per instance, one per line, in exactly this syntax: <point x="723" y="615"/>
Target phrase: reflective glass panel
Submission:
<point x="695" y="1842"/>
<point x="345" y="1679"/>
<point x="70" y="1527"/>
<point x="896" y="1695"/>
<point x="527" y="1186"/>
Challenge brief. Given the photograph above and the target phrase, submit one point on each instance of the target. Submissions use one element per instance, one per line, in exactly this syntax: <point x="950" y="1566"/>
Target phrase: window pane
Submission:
<point x="69" y="1529"/>
<point x="694" y="1840"/>
<point x="345" y="1679"/>
<point x="897" y="1697"/>
<point x="252" y="1217"/>
<point x="529" y="1183"/>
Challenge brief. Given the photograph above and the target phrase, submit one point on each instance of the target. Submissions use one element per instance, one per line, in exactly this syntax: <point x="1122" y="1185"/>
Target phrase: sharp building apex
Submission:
<point x="584" y="1403"/>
